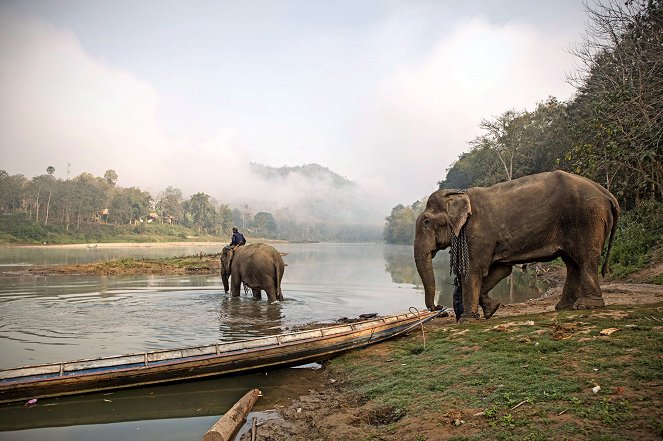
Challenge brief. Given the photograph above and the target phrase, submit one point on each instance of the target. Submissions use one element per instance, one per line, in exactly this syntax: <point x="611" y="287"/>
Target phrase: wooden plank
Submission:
<point x="231" y="421"/>
<point x="336" y="330"/>
<point x="29" y="371"/>
<point x="304" y="335"/>
<point x="103" y="362"/>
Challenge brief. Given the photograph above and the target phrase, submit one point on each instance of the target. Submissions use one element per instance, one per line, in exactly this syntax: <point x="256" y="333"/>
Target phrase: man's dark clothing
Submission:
<point x="458" y="299"/>
<point x="237" y="239"/>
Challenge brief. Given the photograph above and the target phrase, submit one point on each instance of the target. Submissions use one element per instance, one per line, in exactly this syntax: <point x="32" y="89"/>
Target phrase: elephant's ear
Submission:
<point x="459" y="209"/>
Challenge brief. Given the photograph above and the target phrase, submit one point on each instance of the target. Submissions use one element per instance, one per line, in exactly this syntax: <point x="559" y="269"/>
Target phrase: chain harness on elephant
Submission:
<point x="459" y="259"/>
<point x="459" y="262"/>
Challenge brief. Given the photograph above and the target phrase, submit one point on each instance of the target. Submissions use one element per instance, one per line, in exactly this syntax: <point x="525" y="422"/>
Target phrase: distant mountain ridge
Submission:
<point x="308" y="171"/>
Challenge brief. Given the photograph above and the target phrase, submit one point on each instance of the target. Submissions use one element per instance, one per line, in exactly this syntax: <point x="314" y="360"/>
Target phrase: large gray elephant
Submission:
<point x="258" y="265"/>
<point x="535" y="218"/>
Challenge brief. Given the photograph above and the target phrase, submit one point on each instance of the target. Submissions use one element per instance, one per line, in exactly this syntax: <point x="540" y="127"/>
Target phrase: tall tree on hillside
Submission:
<point x="514" y="145"/>
<point x="400" y="224"/>
<point x="618" y="112"/>
<point x="505" y="136"/>
<point x="111" y="177"/>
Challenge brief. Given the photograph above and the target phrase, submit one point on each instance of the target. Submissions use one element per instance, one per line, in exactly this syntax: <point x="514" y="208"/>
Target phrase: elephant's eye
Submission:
<point x="426" y="222"/>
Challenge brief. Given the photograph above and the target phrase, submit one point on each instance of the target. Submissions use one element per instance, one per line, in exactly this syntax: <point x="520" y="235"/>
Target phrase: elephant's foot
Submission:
<point x="589" y="303"/>
<point x="466" y="316"/>
<point x="489" y="307"/>
<point x="564" y="304"/>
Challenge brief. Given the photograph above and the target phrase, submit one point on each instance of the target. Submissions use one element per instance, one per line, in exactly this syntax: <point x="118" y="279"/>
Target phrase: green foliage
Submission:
<point x="400" y="225"/>
<point x="264" y="223"/>
<point x="639" y="235"/>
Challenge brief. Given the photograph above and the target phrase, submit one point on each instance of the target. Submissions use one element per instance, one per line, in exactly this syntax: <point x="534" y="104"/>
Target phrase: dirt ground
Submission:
<point x="329" y="412"/>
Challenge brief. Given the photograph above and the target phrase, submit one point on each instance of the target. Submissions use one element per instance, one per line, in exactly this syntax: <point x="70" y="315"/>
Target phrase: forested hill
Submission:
<point x="313" y="194"/>
<point x="313" y="172"/>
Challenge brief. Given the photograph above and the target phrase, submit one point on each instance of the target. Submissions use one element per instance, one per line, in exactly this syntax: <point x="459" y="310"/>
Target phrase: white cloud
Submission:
<point x="426" y="112"/>
<point x="60" y="105"/>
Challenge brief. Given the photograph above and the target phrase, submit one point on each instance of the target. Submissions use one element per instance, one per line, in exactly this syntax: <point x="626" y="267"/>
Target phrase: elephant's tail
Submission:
<point x="278" y="276"/>
<point x="615" y="217"/>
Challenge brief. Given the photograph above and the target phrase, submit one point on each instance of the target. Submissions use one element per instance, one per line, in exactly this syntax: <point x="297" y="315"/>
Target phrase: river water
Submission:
<point x="63" y="317"/>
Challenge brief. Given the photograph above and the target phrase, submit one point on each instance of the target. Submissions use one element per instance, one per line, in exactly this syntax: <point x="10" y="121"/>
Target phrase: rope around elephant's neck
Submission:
<point x="459" y="259"/>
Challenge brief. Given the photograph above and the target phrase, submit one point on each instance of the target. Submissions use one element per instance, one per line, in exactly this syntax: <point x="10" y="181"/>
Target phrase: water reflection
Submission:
<point x="183" y="401"/>
<point x="65" y="317"/>
<point x="242" y="317"/>
<point x="519" y="286"/>
<point x="55" y="318"/>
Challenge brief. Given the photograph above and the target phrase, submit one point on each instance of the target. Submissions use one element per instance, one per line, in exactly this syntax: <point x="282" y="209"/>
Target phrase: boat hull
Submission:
<point x="200" y="362"/>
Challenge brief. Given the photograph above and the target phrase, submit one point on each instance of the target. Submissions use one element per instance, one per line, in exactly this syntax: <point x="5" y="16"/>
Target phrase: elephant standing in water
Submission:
<point x="258" y="265"/>
<point x="535" y="218"/>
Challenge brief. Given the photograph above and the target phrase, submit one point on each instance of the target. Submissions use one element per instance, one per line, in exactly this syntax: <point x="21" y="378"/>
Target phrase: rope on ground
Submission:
<point x="423" y="334"/>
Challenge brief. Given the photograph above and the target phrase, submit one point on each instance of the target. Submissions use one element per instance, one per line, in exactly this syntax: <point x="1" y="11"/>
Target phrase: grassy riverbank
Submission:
<point x="196" y="264"/>
<point x="549" y="376"/>
<point x="16" y="230"/>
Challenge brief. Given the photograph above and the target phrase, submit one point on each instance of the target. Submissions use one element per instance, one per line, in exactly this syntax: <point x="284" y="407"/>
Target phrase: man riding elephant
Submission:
<point x="259" y="266"/>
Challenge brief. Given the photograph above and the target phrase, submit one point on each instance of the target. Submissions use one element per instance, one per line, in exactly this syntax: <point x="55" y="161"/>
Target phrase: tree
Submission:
<point x="169" y="203"/>
<point x="129" y="205"/>
<point x="111" y="177"/>
<point x="515" y="145"/>
<point x="264" y="223"/>
<point x="91" y="195"/>
<point x="400" y="225"/>
<point x="202" y="212"/>
<point x="617" y="120"/>
<point x="12" y="191"/>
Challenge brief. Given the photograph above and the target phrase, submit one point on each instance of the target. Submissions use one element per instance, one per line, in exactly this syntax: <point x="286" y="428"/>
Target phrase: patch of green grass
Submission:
<point x="523" y="380"/>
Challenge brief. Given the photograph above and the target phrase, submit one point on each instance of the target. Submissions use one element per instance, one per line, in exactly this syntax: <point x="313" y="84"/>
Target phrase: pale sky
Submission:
<point x="186" y="93"/>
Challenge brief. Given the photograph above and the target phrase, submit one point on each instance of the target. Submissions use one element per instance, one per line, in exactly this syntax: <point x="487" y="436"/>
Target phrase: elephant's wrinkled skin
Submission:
<point x="535" y="218"/>
<point x="258" y="265"/>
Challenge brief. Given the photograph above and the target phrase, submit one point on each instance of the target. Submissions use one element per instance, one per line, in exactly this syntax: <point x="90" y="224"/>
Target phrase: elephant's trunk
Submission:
<point x="224" y="279"/>
<point x="424" y="262"/>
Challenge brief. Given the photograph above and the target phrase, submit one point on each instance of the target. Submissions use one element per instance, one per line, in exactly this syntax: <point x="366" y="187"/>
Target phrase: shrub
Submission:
<point x="639" y="233"/>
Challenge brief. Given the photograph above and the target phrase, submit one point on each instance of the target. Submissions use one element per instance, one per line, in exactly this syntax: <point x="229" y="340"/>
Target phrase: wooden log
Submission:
<point x="230" y="422"/>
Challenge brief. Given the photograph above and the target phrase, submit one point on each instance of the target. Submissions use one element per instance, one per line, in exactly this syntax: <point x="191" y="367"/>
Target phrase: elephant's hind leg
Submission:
<point x="571" y="290"/>
<point x="256" y="293"/>
<point x="272" y="294"/>
<point x="590" y="291"/>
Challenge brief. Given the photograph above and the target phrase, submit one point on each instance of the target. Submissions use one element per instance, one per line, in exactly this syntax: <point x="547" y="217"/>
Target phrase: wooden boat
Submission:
<point x="124" y="371"/>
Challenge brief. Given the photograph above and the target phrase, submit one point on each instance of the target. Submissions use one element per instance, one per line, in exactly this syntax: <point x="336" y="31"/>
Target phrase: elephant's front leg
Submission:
<point x="471" y="290"/>
<point x="496" y="273"/>
<point x="256" y="293"/>
<point x="236" y="283"/>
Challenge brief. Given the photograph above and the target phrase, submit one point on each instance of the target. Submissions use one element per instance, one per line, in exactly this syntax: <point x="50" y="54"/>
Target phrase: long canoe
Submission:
<point x="132" y="370"/>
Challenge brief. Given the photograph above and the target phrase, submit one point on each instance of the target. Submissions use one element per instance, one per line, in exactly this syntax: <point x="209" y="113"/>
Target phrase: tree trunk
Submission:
<point x="48" y="206"/>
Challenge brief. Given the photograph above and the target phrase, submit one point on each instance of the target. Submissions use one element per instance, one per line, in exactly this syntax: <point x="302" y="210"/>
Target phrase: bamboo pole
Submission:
<point x="230" y="422"/>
